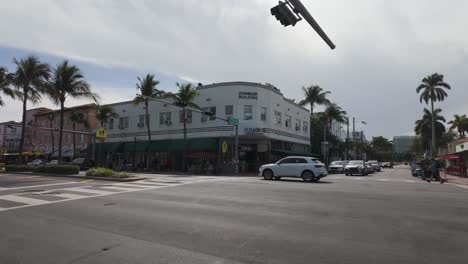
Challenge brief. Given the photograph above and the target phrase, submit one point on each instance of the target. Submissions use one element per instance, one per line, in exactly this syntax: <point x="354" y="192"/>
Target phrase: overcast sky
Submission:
<point x="384" y="48"/>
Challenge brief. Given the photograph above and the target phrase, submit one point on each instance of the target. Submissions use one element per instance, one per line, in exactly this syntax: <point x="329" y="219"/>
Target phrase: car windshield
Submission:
<point x="337" y="163"/>
<point x="355" y="162"/>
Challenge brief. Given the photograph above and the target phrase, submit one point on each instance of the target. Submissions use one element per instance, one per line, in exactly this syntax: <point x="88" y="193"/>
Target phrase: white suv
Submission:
<point x="307" y="168"/>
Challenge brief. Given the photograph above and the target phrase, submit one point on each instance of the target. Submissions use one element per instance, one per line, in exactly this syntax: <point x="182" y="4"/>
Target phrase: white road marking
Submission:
<point x="143" y="183"/>
<point x="410" y="181"/>
<point x="35" y="186"/>
<point x="462" y="186"/>
<point x="382" y="179"/>
<point x="358" y="178"/>
<point x="69" y="196"/>
<point x="116" y="188"/>
<point x="85" y="190"/>
<point x="25" y="200"/>
<point x="29" y="202"/>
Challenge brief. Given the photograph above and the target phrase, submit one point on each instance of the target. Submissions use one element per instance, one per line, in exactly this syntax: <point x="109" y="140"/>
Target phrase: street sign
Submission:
<point x="224" y="146"/>
<point x="101" y="134"/>
<point x="233" y="121"/>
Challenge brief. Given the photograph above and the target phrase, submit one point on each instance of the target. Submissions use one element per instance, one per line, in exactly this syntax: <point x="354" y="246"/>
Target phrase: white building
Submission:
<point x="270" y="126"/>
<point x="10" y="136"/>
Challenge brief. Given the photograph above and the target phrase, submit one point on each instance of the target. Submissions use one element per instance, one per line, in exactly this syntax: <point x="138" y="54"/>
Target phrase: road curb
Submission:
<point x="129" y="179"/>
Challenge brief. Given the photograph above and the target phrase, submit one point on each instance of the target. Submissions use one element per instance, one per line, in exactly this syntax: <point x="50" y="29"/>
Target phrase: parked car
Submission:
<point x="387" y="164"/>
<point x="83" y="163"/>
<point x="356" y="167"/>
<point x="370" y="168"/>
<point x="417" y="172"/>
<point x="37" y="162"/>
<point x="53" y="162"/>
<point x="336" y="167"/>
<point x="307" y="168"/>
<point x="375" y="164"/>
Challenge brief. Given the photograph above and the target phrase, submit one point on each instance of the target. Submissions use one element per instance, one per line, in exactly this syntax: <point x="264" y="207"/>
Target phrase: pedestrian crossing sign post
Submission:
<point x="101" y="134"/>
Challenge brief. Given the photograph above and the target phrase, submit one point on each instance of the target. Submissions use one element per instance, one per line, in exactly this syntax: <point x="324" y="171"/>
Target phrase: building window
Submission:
<point x="248" y="112"/>
<point x="213" y="111"/>
<point x="305" y="126"/>
<point x="141" y="121"/>
<point x="228" y="110"/>
<point x="188" y="114"/>
<point x="287" y="122"/>
<point x="204" y="117"/>
<point x="123" y="122"/>
<point x="263" y="113"/>
<point x="165" y="118"/>
<point x="111" y="123"/>
<point x="278" y="118"/>
<point x="298" y="125"/>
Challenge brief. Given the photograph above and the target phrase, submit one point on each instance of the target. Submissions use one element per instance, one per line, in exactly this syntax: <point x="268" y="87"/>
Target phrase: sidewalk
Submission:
<point x="456" y="179"/>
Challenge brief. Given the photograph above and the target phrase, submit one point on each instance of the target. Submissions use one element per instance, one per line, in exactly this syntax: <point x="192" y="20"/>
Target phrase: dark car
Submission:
<point x="83" y="163"/>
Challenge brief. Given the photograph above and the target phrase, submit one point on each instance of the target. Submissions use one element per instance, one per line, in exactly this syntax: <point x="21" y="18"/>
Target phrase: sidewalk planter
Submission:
<point x="106" y="173"/>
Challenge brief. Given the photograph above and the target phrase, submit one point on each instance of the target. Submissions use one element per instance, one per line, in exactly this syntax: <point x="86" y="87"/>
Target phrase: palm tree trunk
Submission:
<point x="184" y="158"/>
<point x="52" y="139"/>
<point x="149" y="131"/>
<point x="433" y="143"/>
<point x="23" y="126"/>
<point x="62" y="108"/>
<point x="74" y="141"/>
<point x="311" y="133"/>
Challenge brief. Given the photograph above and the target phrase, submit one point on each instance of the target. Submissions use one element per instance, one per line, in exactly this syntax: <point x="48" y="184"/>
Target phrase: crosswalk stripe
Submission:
<point x="70" y="196"/>
<point x="86" y="190"/>
<point x="132" y="185"/>
<point x="382" y="179"/>
<point x="148" y="183"/>
<point x="117" y="188"/>
<point x="25" y="200"/>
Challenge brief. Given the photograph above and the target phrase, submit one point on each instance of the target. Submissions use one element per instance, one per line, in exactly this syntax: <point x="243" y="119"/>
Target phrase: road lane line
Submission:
<point x="116" y="188"/>
<point x="35" y="186"/>
<point x="86" y="190"/>
<point x="69" y="195"/>
<point x="25" y="200"/>
<point x="134" y="186"/>
<point x="382" y="179"/>
<point x="410" y="181"/>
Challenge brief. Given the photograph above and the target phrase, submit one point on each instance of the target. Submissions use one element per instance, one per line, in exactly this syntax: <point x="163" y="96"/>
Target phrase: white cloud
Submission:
<point x="383" y="49"/>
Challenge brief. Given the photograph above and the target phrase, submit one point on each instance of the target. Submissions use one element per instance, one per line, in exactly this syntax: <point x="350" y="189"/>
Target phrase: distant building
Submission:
<point x="10" y="135"/>
<point x="402" y="144"/>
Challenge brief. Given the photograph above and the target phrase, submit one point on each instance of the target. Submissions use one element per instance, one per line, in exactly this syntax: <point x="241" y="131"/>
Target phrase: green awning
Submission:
<point x="139" y="146"/>
<point x="110" y="147"/>
<point x="292" y="153"/>
<point x="201" y="144"/>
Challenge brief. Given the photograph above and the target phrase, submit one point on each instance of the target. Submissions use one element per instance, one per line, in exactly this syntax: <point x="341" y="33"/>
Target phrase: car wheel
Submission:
<point x="308" y="176"/>
<point x="268" y="175"/>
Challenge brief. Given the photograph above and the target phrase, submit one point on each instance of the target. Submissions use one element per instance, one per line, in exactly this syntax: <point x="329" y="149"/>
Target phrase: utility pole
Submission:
<point x="347" y="138"/>
<point x="236" y="150"/>
<point x="354" y="137"/>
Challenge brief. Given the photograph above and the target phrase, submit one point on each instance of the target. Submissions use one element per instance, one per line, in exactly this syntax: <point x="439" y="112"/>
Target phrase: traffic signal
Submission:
<point x="285" y="15"/>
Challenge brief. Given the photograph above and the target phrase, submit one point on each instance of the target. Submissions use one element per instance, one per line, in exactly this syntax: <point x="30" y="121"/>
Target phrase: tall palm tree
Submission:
<point x="51" y="117"/>
<point x="459" y="122"/>
<point x="77" y="117"/>
<point x="67" y="82"/>
<point x="423" y="127"/>
<point x="147" y="89"/>
<point x="5" y="79"/>
<point x="184" y="98"/>
<point x="29" y="79"/>
<point x="314" y="96"/>
<point x="432" y="89"/>
<point x="104" y="113"/>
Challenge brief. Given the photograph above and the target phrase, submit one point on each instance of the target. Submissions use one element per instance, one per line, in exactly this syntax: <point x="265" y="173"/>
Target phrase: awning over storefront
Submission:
<point x="449" y="157"/>
<point x="139" y="146"/>
<point x="292" y="153"/>
<point x="202" y="155"/>
<point x="110" y="147"/>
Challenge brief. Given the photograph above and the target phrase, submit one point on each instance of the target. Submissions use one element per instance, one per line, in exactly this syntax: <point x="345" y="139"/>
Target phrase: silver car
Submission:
<point x="307" y="168"/>
<point x="336" y="167"/>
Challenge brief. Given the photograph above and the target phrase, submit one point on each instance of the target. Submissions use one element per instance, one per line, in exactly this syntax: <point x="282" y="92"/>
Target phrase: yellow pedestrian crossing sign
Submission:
<point x="101" y="134"/>
<point x="224" y="147"/>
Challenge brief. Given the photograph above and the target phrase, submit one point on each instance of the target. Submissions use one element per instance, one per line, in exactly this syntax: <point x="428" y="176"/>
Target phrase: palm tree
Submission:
<point x="314" y="96"/>
<point x="104" y="113"/>
<point x="67" y="82"/>
<point x="5" y="80"/>
<point x="77" y="117"/>
<point x="51" y="118"/>
<point x="423" y="127"/>
<point x="432" y="89"/>
<point x="29" y="79"/>
<point x="147" y="89"/>
<point x="184" y="98"/>
<point x="460" y="122"/>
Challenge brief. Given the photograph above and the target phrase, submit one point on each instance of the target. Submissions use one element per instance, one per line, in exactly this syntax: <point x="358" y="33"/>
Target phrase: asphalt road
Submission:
<point x="389" y="217"/>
